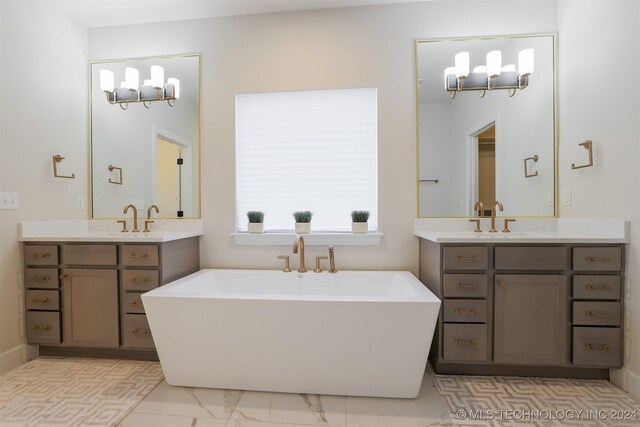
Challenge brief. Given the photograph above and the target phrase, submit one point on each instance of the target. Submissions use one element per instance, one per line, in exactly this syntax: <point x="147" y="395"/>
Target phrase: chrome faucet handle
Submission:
<point x="477" y="221"/>
<point x="506" y="224"/>
<point x="146" y="225"/>
<point x="286" y="268"/>
<point x="318" y="259"/>
<point x="124" y="225"/>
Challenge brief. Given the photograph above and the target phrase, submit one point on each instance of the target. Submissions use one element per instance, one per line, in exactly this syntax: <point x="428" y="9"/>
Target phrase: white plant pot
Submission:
<point x="360" y="227"/>
<point x="303" y="227"/>
<point x="255" y="227"/>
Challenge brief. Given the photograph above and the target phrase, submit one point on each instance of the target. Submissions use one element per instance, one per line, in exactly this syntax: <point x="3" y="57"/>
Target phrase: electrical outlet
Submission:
<point x="80" y="203"/>
<point x="9" y="201"/>
<point x="96" y="203"/>
<point x="566" y="197"/>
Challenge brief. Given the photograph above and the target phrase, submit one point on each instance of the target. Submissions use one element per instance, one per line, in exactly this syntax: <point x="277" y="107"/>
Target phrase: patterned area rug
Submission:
<point x="74" y="392"/>
<point x="509" y="401"/>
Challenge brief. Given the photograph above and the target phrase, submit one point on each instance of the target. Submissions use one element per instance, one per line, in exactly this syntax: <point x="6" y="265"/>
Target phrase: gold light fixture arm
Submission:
<point x="589" y="146"/>
<point x="111" y="169"/>
<point x="57" y="159"/>
<point x="526" y="170"/>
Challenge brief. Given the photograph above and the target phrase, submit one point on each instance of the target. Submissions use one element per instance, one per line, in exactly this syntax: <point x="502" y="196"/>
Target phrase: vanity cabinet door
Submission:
<point x="531" y="319"/>
<point x="90" y="307"/>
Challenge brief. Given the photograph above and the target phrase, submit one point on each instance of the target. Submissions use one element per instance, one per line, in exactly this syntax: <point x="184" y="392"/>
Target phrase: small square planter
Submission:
<point x="303" y="227"/>
<point x="255" y="227"/>
<point x="360" y="227"/>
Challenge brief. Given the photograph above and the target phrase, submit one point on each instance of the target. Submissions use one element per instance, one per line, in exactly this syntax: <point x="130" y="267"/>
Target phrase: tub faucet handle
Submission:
<point x="318" y="259"/>
<point x="286" y="268"/>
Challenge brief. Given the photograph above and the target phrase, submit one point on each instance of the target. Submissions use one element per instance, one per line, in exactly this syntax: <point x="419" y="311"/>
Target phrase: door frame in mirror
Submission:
<point x="92" y="62"/>
<point x="554" y="38"/>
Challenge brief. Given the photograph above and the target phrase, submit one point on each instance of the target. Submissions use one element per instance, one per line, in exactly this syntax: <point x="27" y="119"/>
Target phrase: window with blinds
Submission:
<point x="309" y="150"/>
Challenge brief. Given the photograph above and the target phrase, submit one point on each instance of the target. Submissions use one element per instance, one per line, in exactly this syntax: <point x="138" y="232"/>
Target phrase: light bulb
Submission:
<point x="157" y="76"/>
<point x="131" y="76"/>
<point x="462" y="64"/>
<point x="106" y="80"/>
<point x="525" y="62"/>
<point x="509" y="67"/>
<point x="494" y="63"/>
<point x="447" y="72"/>
<point x="176" y="86"/>
<point x="480" y="69"/>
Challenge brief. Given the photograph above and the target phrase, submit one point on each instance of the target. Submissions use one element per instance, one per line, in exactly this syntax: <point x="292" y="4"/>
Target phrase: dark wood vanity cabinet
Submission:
<point x="517" y="309"/>
<point x="87" y="296"/>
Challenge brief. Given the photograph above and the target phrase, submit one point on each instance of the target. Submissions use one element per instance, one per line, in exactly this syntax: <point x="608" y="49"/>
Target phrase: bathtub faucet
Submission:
<point x="332" y="260"/>
<point x="299" y="242"/>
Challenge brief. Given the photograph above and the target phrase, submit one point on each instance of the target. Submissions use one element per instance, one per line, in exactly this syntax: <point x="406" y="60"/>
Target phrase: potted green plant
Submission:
<point x="256" y="219"/>
<point x="359" y="222"/>
<point x="303" y="221"/>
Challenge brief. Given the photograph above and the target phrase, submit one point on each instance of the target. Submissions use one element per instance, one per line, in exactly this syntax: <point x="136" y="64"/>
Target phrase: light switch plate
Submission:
<point x="96" y="203"/>
<point x="80" y="203"/>
<point x="566" y="197"/>
<point x="9" y="201"/>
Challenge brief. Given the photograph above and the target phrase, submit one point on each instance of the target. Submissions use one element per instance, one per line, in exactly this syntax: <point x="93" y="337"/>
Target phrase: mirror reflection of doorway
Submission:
<point x="168" y="159"/>
<point x="487" y="168"/>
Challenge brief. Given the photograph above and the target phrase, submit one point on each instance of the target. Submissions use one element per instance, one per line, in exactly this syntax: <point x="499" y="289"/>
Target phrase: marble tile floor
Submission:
<point x="188" y="407"/>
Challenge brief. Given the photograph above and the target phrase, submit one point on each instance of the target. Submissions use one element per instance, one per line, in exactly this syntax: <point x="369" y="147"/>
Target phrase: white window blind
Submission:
<point x="308" y="150"/>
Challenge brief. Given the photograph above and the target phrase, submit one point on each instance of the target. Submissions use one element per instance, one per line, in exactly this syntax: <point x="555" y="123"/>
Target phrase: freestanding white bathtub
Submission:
<point x="352" y="333"/>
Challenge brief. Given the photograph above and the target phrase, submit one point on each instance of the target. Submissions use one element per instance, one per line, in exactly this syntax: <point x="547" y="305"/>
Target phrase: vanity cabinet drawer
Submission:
<point x="136" y="332"/>
<point x="464" y="342"/>
<point x="466" y="258"/>
<point x="42" y="300"/>
<point x="596" y="287"/>
<point x="465" y="311"/>
<point x="89" y="254"/>
<point x="43" y="327"/>
<point x="132" y="303"/>
<point x="41" y="255"/>
<point x="596" y="313"/>
<point x="597" y="259"/>
<point x="531" y="258"/>
<point x="465" y="285"/>
<point x="140" y="280"/>
<point x="597" y="347"/>
<point x="139" y="255"/>
<point x="41" y="278"/>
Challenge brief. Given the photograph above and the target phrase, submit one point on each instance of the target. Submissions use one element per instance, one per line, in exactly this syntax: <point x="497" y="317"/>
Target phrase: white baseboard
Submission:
<point x="626" y="380"/>
<point x="16" y="356"/>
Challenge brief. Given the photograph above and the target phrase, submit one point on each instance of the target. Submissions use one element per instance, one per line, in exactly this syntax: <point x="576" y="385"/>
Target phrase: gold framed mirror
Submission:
<point x="490" y="134"/>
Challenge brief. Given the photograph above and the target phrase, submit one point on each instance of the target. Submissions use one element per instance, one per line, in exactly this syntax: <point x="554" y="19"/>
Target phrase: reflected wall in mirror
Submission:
<point x="472" y="147"/>
<point x="143" y="155"/>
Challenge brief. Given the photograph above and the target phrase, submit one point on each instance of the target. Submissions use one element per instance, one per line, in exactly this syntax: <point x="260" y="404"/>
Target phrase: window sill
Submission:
<point x="312" y="239"/>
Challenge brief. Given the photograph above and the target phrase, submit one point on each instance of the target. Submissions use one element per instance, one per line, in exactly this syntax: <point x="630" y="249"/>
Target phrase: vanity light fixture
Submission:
<point x="153" y="89"/>
<point x="491" y="76"/>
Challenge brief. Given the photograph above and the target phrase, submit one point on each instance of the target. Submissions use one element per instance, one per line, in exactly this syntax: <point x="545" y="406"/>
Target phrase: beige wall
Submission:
<point x="338" y="48"/>
<point x="44" y="112"/>
<point x="611" y="119"/>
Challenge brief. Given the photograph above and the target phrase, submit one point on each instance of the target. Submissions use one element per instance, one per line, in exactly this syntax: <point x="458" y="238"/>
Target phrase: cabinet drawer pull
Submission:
<point x="466" y="258"/>
<point x="598" y="288"/>
<point x="467" y="343"/>
<point x="43" y="300"/>
<point x="597" y="313"/>
<point x="597" y="347"/>
<point x="469" y="286"/>
<point x="133" y="303"/>
<point x="42" y="327"/>
<point x="141" y="331"/>
<point x="40" y="279"/>
<point x="465" y="311"/>
<point x="64" y="276"/>
<point x="39" y="255"/>
<point x="136" y="280"/>
<point x="143" y="256"/>
<point x="598" y="259"/>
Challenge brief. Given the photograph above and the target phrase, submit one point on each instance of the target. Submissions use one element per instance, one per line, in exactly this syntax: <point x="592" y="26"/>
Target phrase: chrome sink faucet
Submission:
<point x="299" y="243"/>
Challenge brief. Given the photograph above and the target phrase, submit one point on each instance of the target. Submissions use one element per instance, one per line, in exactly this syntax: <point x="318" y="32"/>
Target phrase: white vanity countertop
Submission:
<point x="108" y="231"/>
<point x="524" y="230"/>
